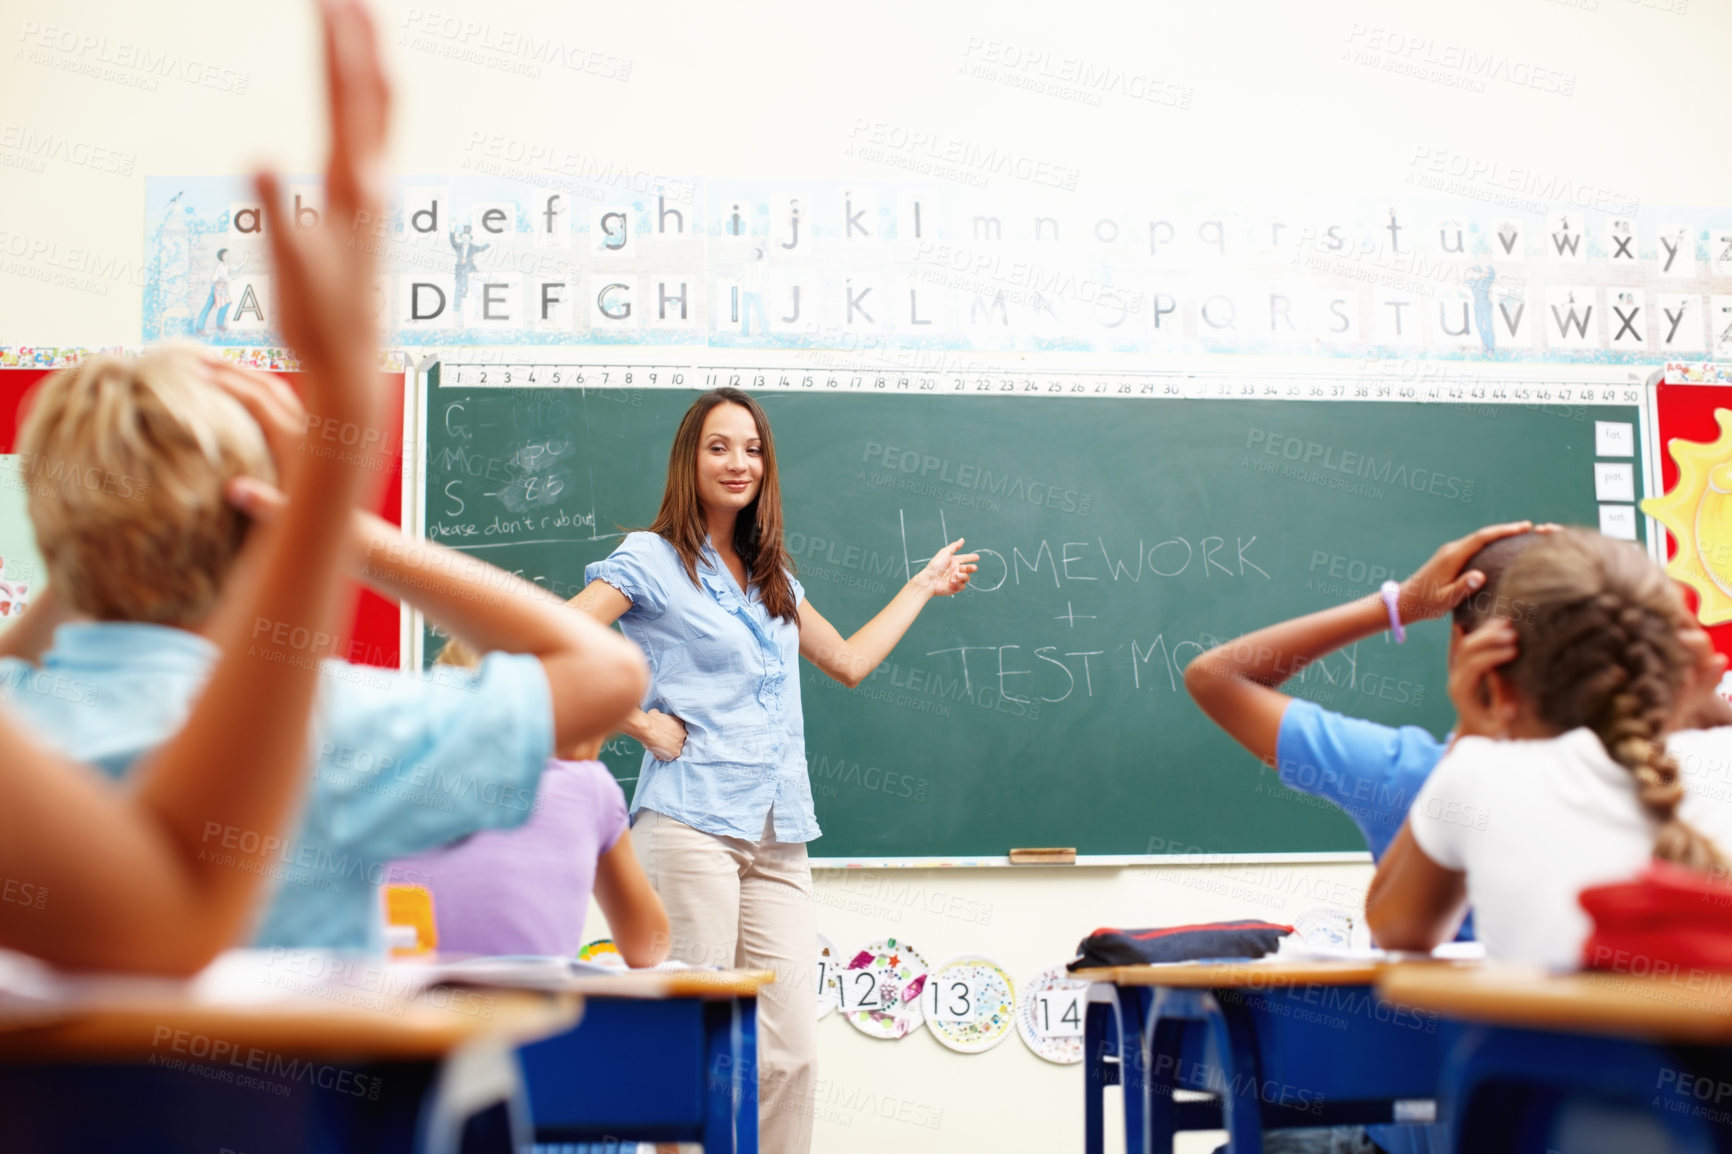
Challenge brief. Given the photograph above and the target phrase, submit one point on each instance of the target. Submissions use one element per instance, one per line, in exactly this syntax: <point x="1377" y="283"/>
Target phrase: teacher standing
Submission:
<point x="723" y="807"/>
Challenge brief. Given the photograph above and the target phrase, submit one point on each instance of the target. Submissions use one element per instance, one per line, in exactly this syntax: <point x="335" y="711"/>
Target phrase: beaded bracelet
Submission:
<point x="1392" y="600"/>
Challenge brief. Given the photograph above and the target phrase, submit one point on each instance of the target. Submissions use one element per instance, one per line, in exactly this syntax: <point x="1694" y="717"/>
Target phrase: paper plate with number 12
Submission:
<point x="879" y="988"/>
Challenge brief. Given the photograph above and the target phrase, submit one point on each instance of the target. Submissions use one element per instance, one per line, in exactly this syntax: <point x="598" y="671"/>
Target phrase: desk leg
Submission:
<point x="1158" y="1073"/>
<point x="1100" y="1041"/>
<point x="1236" y="1042"/>
<point x="731" y="1057"/>
<point x="746" y="1118"/>
<point x="1130" y="1008"/>
<point x="474" y="1081"/>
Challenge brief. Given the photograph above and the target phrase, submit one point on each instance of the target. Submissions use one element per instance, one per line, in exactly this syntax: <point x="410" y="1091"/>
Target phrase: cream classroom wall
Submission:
<point x="777" y="89"/>
<point x="913" y="1094"/>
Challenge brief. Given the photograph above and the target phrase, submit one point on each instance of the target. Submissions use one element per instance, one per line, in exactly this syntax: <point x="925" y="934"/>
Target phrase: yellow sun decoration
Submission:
<point x="1698" y="511"/>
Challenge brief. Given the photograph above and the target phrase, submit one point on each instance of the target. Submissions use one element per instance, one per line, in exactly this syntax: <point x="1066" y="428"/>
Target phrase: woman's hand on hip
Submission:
<point x="664" y="735"/>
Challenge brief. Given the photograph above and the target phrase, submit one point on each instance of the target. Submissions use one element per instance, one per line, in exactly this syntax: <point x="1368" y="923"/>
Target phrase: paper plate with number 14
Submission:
<point x="970" y="1004"/>
<point x="1050" y="1018"/>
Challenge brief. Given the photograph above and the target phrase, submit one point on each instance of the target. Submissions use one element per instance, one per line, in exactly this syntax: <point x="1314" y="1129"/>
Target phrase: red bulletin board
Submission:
<point x="1686" y="411"/>
<point x="374" y="636"/>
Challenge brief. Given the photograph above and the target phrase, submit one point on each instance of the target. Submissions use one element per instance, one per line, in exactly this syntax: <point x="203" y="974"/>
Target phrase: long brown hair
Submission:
<point x="1599" y="647"/>
<point x="757" y="531"/>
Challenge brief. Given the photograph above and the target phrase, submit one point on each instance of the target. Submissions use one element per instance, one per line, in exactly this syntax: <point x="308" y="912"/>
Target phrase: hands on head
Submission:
<point x="1479" y="712"/>
<point x="1441" y="584"/>
<point x="1482" y="710"/>
<point x="282" y="418"/>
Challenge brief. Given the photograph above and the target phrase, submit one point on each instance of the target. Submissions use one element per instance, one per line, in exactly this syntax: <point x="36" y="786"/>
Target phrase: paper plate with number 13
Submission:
<point x="970" y="1004"/>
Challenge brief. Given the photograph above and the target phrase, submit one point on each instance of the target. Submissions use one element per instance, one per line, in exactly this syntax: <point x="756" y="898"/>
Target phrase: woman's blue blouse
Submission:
<point x="731" y="672"/>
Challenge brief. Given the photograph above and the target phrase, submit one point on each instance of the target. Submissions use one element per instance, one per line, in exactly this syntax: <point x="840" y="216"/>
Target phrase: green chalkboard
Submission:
<point x="1119" y="536"/>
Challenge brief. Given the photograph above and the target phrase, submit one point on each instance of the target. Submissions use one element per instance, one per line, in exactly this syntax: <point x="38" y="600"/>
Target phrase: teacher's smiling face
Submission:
<point x="730" y="459"/>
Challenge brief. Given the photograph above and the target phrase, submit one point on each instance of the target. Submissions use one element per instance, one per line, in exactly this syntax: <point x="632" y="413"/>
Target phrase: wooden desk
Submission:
<point x="1538" y="1061"/>
<point x="1278" y="1045"/>
<point x="1685" y="1008"/>
<point x="132" y="1026"/>
<point x="658" y="1057"/>
<point x="141" y="1068"/>
<point x="705" y="985"/>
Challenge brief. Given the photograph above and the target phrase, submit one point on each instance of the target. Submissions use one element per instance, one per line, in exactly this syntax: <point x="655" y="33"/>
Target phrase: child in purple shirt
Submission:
<point x="526" y="890"/>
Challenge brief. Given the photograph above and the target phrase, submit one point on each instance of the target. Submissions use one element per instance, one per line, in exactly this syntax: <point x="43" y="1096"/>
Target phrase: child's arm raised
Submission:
<point x="663" y="734"/>
<point x="162" y="878"/>
<point x="1235" y="683"/>
<point x="596" y="676"/>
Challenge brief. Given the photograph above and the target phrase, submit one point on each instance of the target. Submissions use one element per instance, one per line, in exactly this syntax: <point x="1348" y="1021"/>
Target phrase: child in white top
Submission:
<point x="1596" y="662"/>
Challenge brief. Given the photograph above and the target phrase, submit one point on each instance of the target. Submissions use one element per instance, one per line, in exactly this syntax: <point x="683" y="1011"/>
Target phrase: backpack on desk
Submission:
<point x="1668" y="915"/>
<point x="1248" y="938"/>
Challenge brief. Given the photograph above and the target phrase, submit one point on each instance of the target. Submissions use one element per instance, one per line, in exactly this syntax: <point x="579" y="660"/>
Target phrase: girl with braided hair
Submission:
<point x="1587" y="678"/>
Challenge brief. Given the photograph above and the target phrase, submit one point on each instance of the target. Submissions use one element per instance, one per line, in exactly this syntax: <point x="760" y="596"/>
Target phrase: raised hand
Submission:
<point x="325" y="274"/>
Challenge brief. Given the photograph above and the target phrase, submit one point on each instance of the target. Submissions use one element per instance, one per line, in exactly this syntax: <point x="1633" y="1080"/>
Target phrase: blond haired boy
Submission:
<point x="404" y="763"/>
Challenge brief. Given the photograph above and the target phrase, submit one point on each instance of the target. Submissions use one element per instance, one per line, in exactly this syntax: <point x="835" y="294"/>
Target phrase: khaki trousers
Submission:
<point x="745" y="904"/>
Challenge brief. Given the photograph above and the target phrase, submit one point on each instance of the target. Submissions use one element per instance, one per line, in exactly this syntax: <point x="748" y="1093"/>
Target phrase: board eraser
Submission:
<point x="1044" y="855"/>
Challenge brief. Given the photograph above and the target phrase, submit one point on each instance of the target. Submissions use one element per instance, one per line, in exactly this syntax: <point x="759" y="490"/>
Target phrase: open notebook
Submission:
<point x="522" y="971"/>
<point x="31" y="990"/>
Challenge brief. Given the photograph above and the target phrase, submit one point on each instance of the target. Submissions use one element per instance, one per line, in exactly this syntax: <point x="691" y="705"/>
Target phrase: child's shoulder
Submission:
<point x="15" y="671"/>
<point x="590" y="778"/>
<point x="339" y="675"/>
<point x="1492" y="757"/>
<point x="1702" y="751"/>
<point x="349" y="687"/>
<point x="1307" y="724"/>
<point x="1470" y="757"/>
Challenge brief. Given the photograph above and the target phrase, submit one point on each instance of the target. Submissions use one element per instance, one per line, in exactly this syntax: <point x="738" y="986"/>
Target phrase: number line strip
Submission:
<point x="1436" y="388"/>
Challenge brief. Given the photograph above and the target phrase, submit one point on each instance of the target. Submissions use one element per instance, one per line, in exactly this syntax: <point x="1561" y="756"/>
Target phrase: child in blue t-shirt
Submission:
<point x="1371" y="771"/>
